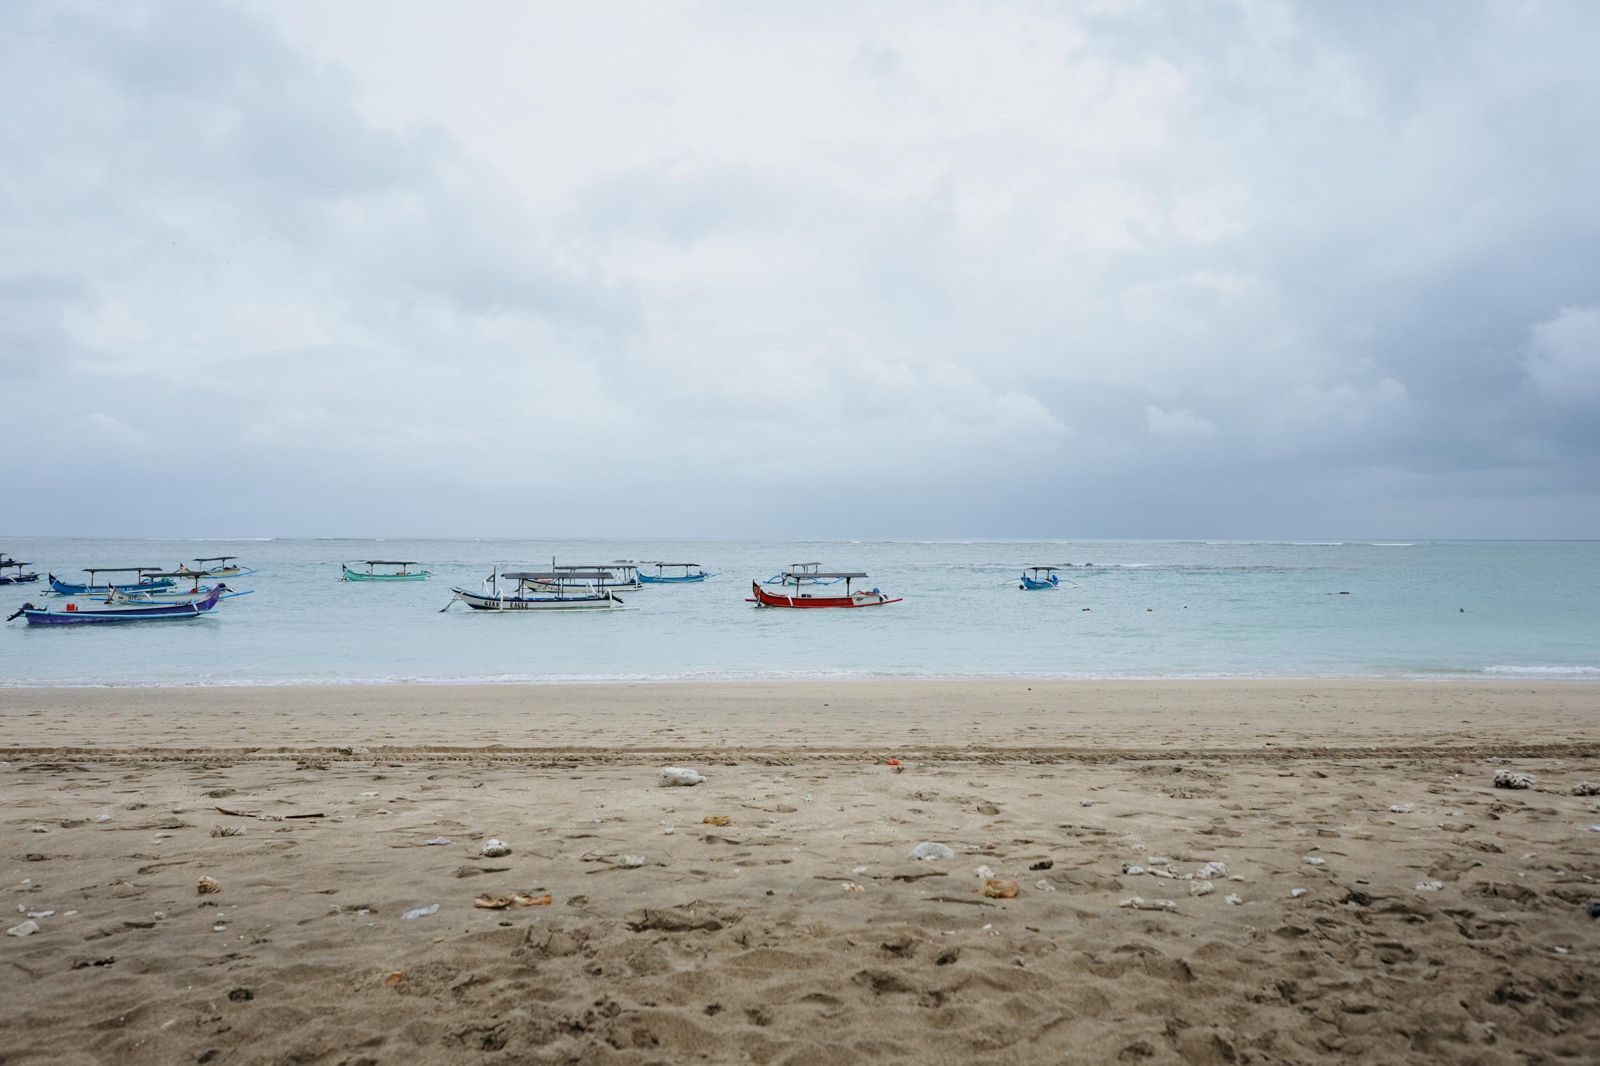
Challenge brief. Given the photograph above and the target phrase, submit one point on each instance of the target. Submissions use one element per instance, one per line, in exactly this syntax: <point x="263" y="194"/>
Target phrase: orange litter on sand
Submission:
<point x="999" y="888"/>
<point x="892" y="762"/>
<point x="715" y="819"/>
<point x="394" y="978"/>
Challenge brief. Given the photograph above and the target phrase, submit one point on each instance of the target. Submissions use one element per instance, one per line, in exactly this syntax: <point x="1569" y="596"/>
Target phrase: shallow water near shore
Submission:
<point x="1155" y="609"/>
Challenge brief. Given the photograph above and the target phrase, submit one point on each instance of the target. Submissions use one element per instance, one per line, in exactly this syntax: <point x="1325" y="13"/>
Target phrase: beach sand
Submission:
<point x="801" y="930"/>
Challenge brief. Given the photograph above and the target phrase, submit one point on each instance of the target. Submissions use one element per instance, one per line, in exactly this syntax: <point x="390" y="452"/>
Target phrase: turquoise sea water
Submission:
<point x="1155" y="609"/>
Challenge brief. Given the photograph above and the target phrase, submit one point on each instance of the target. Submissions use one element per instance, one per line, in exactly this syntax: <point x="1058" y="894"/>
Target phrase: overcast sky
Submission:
<point x="1063" y="270"/>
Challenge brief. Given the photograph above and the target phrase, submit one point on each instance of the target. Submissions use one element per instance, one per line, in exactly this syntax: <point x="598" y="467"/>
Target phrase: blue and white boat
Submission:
<point x="142" y="581"/>
<point x="75" y="614"/>
<point x="1035" y="578"/>
<point x="691" y="572"/>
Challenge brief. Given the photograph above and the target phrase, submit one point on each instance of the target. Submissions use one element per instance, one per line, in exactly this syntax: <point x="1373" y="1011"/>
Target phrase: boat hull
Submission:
<point x="358" y="575"/>
<point x="1030" y="585"/>
<point x="762" y="598"/>
<point x="479" y="602"/>
<point x="683" y="580"/>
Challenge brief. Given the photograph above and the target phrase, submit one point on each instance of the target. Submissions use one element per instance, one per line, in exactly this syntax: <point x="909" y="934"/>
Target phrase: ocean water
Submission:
<point x="1144" y="609"/>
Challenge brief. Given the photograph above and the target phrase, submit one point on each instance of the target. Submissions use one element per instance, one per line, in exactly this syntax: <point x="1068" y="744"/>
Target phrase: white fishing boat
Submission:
<point x="621" y="575"/>
<point x="222" y="566"/>
<point x="542" y="590"/>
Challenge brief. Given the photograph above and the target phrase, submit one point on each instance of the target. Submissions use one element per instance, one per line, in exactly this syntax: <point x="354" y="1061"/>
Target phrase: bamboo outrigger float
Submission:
<point x="801" y="598"/>
<point x="405" y="573"/>
<point x="543" y="590"/>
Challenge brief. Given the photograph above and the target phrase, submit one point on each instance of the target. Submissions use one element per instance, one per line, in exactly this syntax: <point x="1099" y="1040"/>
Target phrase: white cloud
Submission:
<point x="954" y="249"/>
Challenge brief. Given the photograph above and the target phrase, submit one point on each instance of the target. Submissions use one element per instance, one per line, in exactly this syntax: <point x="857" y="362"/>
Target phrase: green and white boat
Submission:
<point x="403" y="573"/>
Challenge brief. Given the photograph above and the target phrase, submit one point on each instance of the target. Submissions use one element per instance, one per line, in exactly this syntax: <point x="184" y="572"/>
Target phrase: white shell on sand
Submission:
<point x="930" y="851"/>
<point x="680" y="775"/>
<point x="1429" y="886"/>
<point x="1296" y="893"/>
<point x="493" y="849"/>
<point x="1512" y="779"/>
<point x="1201" y="888"/>
<point x="1315" y="860"/>
<point x="1139" y="903"/>
<point x="1402" y="808"/>
<point x="27" y="928"/>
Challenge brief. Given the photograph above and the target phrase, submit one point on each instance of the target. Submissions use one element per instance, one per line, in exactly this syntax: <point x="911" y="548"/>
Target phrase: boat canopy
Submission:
<point x="568" y="567"/>
<point x="804" y="566"/>
<point x="813" y="573"/>
<point x="120" y="569"/>
<point x="561" y="575"/>
<point x="371" y="562"/>
<point x="1037" y="569"/>
<point x="653" y="562"/>
<point x="173" y="573"/>
<point x="216" y="558"/>
<point x="13" y="562"/>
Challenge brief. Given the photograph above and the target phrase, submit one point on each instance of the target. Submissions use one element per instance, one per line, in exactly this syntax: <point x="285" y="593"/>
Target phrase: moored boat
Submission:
<point x="111" y="613"/>
<point x="619" y="576"/>
<point x="800" y="598"/>
<point x="21" y="577"/>
<point x="543" y="590"/>
<point x="1035" y="578"/>
<point x="801" y="574"/>
<point x="226" y="566"/>
<point x="141" y="581"/>
<point x="404" y="573"/>
<point x="691" y="572"/>
<point x="176" y="595"/>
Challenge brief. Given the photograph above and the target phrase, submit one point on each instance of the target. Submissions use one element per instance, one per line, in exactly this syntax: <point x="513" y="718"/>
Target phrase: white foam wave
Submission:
<point x="1543" y="671"/>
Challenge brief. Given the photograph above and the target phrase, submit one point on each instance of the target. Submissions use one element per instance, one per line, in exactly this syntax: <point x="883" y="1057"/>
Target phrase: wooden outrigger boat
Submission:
<point x="544" y="590"/>
<point x="142" y="581"/>
<point x="800" y="598"/>
<point x="174" y="595"/>
<point x="620" y="576"/>
<point x="111" y="613"/>
<point x="802" y="574"/>
<point x="692" y="572"/>
<point x="225" y="567"/>
<point x="369" y="574"/>
<point x="21" y="577"/>
<point x="1035" y="578"/>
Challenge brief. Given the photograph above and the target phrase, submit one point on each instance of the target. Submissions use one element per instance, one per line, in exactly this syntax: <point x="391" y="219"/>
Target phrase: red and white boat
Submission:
<point x="798" y="597"/>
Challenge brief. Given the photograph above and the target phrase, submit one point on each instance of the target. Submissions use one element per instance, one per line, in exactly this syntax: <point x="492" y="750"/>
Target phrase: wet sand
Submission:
<point x="801" y="930"/>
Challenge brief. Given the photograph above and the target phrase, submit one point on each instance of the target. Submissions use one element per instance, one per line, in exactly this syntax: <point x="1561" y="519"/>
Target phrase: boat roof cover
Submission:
<point x="800" y="566"/>
<point x="380" y="562"/>
<point x="620" y="564"/>
<point x="13" y="562"/>
<point x="119" y="569"/>
<point x="1044" y="568"/>
<point x="654" y="562"/>
<point x="812" y="573"/>
<point x="216" y="558"/>
<point x="560" y="575"/>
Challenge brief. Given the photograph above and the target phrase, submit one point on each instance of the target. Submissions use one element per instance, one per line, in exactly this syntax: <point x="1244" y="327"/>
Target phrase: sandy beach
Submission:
<point x="773" y="913"/>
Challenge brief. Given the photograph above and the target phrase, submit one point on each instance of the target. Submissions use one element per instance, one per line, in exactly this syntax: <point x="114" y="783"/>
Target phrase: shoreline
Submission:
<point x="758" y="718"/>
